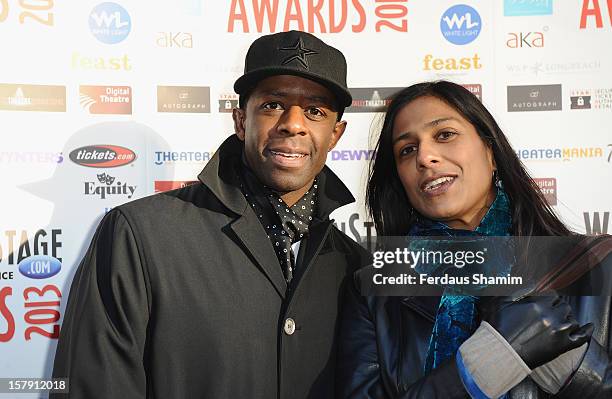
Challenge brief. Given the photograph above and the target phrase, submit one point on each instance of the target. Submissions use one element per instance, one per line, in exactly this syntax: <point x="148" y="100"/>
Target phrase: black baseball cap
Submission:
<point x="295" y="53"/>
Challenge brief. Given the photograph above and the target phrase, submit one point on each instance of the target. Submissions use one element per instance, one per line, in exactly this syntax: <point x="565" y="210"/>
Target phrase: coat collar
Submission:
<point x="220" y="177"/>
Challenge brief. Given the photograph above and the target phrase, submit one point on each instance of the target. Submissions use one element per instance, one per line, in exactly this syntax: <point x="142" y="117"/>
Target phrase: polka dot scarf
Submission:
<point x="285" y="225"/>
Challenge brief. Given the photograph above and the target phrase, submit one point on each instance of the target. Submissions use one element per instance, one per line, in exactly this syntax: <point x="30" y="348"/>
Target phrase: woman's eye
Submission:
<point x="407" y="150"/>
<point x="446" y="135"/>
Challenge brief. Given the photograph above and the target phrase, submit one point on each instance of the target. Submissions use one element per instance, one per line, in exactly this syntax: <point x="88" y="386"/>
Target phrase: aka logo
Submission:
<point x="460" y="24"/>
<point x="106" y="187"/>
<point x="526" y="39"/>
<point x="174" y="40"/>
<point x="110" y="23"/>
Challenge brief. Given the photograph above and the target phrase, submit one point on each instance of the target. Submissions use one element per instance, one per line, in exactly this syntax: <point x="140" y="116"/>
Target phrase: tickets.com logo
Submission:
<point x="102" y="156"/>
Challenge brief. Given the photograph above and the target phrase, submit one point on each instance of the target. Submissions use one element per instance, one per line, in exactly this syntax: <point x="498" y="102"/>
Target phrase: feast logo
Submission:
<point x="322" y="16"/>
<point x="591" y="9"/>
<point x="526" y="39"/>
<point x="451" y="64"/>
<point x="102" y="156"/>
<point x="120" y="63"/>
<point x="106" y="187"/>
<point x="106" y="99"/>
<point x="548" y="187"/>
<point x="167" y="185"/>
<point x="174" y="40"/>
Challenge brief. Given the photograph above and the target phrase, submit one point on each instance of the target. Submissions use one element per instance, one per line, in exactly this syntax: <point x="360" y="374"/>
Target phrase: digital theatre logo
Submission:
<point x="189" y="99"/>
<point x="106" y="99"/>
<point x="460" y="24"/>
<point x="106" y="187"/>
<point x="110" y="23"/>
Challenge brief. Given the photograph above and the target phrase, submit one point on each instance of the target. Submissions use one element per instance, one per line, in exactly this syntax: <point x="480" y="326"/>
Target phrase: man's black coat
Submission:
<point x="181" y="295"/>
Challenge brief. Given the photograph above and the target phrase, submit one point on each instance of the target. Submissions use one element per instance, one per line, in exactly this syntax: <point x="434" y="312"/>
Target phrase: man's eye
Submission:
<point x="314" y="111"/>
<point x="271" y="105"/>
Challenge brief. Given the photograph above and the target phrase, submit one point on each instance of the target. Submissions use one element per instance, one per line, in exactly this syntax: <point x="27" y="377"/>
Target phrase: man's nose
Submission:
<point x="292" y="121"/>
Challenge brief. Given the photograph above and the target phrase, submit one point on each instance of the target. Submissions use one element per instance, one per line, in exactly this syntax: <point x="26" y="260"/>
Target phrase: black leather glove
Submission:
<point x="538" y="328"/>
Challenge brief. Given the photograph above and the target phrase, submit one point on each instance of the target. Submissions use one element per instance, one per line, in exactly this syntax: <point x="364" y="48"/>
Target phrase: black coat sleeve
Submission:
<point x="360" y="372"/>
<point x="102" y="340"/>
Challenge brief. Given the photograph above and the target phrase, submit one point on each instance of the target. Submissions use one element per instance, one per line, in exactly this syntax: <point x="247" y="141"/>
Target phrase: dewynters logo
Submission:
<point x="106" y="99"/>
<point x="40" y="267"/>
<point x="460" y="24"/>
<point x="534" y="98"/>
<point x="16" y="97"/>
<point x="102" y="156"/>
<point x="110" y="23"/>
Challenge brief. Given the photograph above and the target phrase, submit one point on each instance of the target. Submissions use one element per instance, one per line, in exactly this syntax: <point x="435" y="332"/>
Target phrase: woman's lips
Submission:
<point x="438" y="186"/>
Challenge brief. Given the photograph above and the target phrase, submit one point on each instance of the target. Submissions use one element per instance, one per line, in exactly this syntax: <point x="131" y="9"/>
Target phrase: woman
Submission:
<point x="443" y="167"/>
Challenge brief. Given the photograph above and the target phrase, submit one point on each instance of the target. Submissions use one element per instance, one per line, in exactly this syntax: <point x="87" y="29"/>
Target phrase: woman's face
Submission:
<point x="445" y="167"/>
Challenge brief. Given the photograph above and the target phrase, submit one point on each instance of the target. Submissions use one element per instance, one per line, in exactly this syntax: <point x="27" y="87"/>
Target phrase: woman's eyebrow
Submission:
<point x="432" y="123"/>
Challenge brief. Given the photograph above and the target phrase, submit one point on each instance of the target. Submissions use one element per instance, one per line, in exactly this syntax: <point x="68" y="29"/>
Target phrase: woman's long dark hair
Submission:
<point x="388" y="203"/>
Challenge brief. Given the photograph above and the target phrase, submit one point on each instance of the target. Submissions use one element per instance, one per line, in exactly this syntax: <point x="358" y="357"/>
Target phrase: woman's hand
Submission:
<point x="538" y="328"/>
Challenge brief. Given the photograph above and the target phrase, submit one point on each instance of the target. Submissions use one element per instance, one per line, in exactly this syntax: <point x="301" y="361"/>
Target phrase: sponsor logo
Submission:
<point x="174" y="40"/>
<point x="548" y="187"/>
<point x="39" y="267"/>
<point x="563" y="154"/>
<point x="167" y="185"/>
<point x="352" y="155"/>
<point x="31" y="157"/>
<point x="102" y="156"/>
<point x="106" y="99"/>
<point x="534" y="98"/>
<point x="519" y="8"/>
<point x="375" y="99"/>
<point x="526" y="39"/>
<point x="227" y="102"/>
<point x="589" y="13"/>
<point x="109" y="23"/>
<point x="16" y="97"/>
<point x="431" y="63"/>
<point x="596" y="223"/>
<point x="475" y="89"/>
<point x="352" y="227"/>
<point x="591" y="99"/>
<point x="189" y="99"/>
<point x="540" y="67"/>
<point x="17" y="245"/>
<point x="175" y="157"/>
<point x="460" y="24"/>
<point x="88" y="63"/>
<point x="106" y="187"/>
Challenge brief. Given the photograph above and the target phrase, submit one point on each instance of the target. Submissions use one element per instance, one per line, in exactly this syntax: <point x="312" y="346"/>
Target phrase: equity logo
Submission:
<point x="102" y="156"/>
<point x="189" y="99"/>
<point x="110" y="23"/>
<point x="460" y="24"/>
<point x="106" y="99"/>
<point x="106" y="187"/>
<point x="17" y="97"/>
<point x="513" y="8"/>
<point x="534" y="98"/>
<point x="371" y="99"/>
<point x="548" y="187"/>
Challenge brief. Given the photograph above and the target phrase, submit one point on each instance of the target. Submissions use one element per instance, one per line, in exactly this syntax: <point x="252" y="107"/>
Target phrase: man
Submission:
<point x="229" y="288"/>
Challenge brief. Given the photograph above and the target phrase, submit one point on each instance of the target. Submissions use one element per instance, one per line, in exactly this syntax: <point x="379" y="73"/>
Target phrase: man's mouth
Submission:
<point x="289" y="155"/>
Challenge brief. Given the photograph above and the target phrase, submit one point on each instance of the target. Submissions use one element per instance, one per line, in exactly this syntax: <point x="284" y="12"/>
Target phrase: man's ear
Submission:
<point x="238" y="115"/>
<point x="338" y="131"/>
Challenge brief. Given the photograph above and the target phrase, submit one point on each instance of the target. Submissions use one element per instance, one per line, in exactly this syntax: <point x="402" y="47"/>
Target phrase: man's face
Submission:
<point x="288" y="127"/>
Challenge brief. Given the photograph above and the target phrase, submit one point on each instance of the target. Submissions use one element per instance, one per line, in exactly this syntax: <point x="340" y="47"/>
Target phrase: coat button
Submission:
<point x="289" y="326"/>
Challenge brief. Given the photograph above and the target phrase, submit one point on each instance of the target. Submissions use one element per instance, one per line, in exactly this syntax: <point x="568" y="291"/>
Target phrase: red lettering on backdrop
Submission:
<point x="290" y="16"/>
<point x="261" y="8"/>
<point x="314" y="10"/>
<point x="595" y="11"/>
<point x="237" y="16"/>
<point x="362" y="17"/>
<point x="333" y="28"/>
<point x="8" y="316"/>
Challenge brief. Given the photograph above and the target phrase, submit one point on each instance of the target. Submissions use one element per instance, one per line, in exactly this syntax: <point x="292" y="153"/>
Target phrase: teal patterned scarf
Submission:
<point x="456" y="318"/>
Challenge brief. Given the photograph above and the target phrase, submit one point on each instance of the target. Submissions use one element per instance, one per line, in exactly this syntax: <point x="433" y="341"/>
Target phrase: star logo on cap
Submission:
<point x="300" y="53"/>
